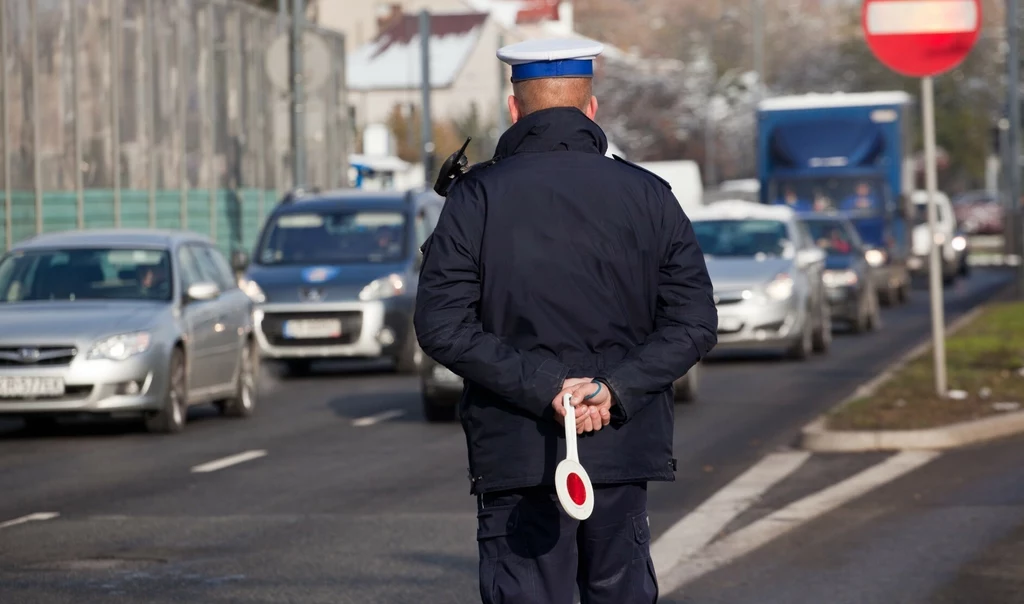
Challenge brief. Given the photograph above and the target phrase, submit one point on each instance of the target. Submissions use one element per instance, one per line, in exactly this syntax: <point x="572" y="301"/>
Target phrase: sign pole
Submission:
<point x="935" y="270"/>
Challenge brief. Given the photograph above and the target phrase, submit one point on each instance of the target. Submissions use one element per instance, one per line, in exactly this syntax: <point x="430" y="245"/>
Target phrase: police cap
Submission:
<point x="551" y="58"/>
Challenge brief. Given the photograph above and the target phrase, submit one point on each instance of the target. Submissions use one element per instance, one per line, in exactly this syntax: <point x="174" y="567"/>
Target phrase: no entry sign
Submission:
<point x="921" y="38"/>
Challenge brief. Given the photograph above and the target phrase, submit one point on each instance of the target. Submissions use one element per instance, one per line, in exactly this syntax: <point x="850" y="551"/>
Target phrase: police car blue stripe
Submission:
<point x="553" y="69"/>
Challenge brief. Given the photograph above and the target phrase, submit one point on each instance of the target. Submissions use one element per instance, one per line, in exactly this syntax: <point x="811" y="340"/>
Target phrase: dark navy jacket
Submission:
<point x="558" y="262"/>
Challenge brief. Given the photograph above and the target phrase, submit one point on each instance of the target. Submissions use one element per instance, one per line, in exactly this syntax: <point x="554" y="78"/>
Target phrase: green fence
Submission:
<point x="232" y="219"/>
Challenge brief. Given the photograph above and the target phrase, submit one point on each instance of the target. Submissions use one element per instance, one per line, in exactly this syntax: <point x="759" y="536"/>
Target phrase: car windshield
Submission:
<point x="85" y="274"/>
<point x="742" y="238"/>
<point x="831" y="236"/>
<point x="858" y="195"/>
<point x="335" y="237"/>
<point x="921" y="213"/>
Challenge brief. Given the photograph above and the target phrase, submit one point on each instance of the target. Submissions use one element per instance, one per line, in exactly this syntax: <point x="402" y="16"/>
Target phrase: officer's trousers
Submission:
<point x="530" y="550"/>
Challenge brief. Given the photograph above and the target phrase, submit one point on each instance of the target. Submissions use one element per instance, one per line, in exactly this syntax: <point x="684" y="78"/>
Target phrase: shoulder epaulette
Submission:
<point x="642" y="169"/>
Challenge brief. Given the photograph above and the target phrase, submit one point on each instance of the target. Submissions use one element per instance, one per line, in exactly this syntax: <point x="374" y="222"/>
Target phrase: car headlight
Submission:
<point x="839" y="278"/>
<point x="121" y="347"/>
<point x="780" y="288"/>
<point x="959" y="243"/>
<point x="385" y="287"/>
<point x="875" y="257"/>
<point x="253" y="290"/>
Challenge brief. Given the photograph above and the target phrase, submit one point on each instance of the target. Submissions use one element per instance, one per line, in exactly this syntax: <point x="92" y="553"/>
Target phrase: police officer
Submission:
<point x="555" y="269"/>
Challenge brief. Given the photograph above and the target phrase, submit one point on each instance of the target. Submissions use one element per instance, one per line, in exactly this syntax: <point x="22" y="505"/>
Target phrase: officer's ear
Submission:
<point x="592" y="107"/>
<point x="513" y="108"/>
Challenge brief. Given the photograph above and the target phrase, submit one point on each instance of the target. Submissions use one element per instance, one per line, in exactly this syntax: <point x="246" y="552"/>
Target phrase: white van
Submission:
<point x="953" y="245"/>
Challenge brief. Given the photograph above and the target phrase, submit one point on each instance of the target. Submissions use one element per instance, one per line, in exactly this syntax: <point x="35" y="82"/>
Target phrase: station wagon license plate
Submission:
<point x="312" y="329"/>
<point x="29" y="387"/>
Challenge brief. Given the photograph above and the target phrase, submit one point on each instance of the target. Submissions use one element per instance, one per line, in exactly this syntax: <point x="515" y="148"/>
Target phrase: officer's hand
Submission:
<point x="591" y="416"/>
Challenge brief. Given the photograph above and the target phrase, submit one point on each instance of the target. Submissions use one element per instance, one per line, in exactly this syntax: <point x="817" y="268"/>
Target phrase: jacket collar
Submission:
<point x="554" y="129"/>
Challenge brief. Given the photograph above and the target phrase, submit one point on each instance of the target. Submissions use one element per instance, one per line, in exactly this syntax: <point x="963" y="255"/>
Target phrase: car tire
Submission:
<point x="822" y="339"/>
<point x="803" y="348"/>
<point x="439" y="410"/>
<point x="171" y="418"/>
<point x="686" y="387"/>
<point x="246" y="386"/>
<point x="410" y="358"/>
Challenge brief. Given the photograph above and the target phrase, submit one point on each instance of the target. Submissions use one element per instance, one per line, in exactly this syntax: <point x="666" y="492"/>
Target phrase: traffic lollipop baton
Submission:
<point x="572" y="484"/>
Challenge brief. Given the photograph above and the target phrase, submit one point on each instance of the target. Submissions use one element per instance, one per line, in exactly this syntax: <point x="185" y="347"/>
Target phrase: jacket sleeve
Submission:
<point x="686" y="321"/>
<point x="447" y="319"/>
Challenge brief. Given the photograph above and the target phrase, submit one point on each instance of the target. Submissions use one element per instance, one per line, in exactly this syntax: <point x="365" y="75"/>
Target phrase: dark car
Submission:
<point x="979" y="213"/>
<point x="334" y="275"/>
<point x="848" y="275"/>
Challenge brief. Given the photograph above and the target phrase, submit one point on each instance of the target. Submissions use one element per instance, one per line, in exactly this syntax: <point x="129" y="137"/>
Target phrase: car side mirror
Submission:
<point x="204" y="291"/>
<point x="239" y="261"/>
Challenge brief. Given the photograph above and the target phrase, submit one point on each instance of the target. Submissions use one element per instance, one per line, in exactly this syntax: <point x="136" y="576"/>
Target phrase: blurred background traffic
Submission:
<point x="215" y="208"/>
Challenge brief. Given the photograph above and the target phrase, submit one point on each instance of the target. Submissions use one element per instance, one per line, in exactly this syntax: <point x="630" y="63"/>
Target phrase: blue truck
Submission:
<point x="845" y="153"/>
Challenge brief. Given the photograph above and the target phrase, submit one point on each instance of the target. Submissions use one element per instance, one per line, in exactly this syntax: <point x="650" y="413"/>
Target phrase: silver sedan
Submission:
<point x="123" y="323"/>
<point x="767" y="276"/>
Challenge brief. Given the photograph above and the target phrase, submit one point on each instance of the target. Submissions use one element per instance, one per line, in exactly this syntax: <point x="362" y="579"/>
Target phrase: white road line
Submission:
<point x="231" y="460"/>
<point x="384" y="416"/>
<point x="38" y="516"/>
<point x="782" y="521"/>
<point x="694" y="531"/>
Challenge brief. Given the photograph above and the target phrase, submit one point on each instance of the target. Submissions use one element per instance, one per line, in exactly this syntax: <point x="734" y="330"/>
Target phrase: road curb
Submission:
<point x="819" y="439"/>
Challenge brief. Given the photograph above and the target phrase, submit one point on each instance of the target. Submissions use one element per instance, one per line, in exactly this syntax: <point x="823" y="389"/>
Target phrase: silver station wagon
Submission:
<point x="123" y="323"/>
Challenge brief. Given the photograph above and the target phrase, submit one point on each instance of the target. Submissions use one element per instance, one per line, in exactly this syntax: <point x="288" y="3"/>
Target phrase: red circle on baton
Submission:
<point x="577" y="492"/>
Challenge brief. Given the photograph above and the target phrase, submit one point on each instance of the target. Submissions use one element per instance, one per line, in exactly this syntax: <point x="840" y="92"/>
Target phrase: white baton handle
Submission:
<point x="570" y="429"/>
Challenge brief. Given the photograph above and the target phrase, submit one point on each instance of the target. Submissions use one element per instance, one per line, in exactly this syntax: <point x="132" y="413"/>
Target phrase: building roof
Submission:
<point x="392" y="60"/>
<point x="837" y="99"/>
<point x="510" y="13"/>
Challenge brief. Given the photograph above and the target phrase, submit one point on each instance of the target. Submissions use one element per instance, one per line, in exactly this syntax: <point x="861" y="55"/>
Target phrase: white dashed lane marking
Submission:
<point x="384" y="416"/>
<point x="37" y="517"/>
<point x="226" y="462"/>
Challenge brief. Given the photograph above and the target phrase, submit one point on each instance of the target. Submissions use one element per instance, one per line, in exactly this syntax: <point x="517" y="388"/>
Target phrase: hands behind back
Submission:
<point x="591" y="414"/>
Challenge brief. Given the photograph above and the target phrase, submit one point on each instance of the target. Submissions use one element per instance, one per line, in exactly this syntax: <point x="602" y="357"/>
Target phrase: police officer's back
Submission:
<point x="554" y="262"/>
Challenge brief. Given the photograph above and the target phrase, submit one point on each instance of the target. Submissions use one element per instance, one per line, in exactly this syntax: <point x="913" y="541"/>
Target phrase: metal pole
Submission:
<point x="757" y="15"/>
<point x="8" y="223"/>
<point x="298" y="95"/>
<point x="935" y="270"/>
<point x="116" y="16"/>
<point x="76" y="93"/>
<point x="428" y="130"/>
<point x="150" y="48"/>
<point x="709" y="146"/>
<point x="37" y="177"/>
<point x="1013" y="161"/>
<point x="282" y="15"/>
<point x="183" y="184"/>
<point x="502" y="101"/>
<point x="211" y="116"/>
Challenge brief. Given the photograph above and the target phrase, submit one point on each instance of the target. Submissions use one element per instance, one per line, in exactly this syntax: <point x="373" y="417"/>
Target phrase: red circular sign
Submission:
<point x="577" y="492"/>
<point x="921" y="38"/>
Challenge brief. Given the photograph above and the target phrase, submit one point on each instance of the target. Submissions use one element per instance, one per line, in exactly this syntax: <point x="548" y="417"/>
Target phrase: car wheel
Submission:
<point x="823" y="336"/>
<point x="804" y="347"/>
<point x="439" y="410"/>
<point x="409" y="360"/>
<point x="299" y="367"/>
<point x="863" y="322"/>
<point x="888" y="296"/>
<point x="687" y="386"/>
<point x="172" y="416"/>
<point x="246" y="389"/>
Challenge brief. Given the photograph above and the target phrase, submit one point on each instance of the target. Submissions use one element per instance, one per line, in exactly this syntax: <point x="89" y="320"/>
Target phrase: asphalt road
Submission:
<point x="350" y="496"/>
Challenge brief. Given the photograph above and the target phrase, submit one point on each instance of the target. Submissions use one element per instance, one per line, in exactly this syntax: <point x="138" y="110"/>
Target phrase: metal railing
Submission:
<point x="156" y="113"/>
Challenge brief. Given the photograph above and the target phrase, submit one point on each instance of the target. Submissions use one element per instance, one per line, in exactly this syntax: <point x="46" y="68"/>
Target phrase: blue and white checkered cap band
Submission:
<point x="568" y="68"/>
